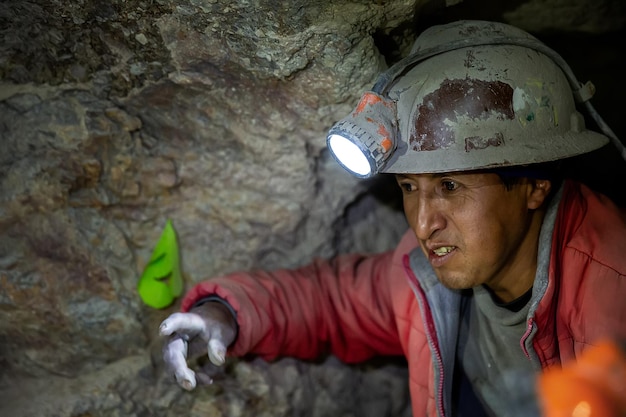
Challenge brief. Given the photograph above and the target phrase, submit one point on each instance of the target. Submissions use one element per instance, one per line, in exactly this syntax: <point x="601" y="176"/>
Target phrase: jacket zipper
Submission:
<point x="429" y="326"/>
<point x="525" y="336"/>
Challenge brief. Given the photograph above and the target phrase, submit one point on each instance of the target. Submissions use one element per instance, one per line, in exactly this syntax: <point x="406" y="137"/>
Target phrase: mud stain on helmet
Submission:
<point x="479" y="142"/>
<point x="437" y="117"/>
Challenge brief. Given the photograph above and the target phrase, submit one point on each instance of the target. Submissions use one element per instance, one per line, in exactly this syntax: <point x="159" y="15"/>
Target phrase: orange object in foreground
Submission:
<point x="592" y="386"/>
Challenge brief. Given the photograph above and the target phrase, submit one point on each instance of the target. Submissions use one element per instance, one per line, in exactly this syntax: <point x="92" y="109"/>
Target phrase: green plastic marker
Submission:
<point x="161" y="281"/>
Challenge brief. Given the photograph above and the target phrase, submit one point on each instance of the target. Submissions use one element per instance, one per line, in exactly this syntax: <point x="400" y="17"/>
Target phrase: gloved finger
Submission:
<point x="216" y="350"/>
<point x="175" y="357"/>
<point x="204" y="379"/>
<point x="185" y="323"/>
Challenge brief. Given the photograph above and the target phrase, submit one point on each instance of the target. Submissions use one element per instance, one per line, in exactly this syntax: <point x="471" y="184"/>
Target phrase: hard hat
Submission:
<point x="472" y="95"/>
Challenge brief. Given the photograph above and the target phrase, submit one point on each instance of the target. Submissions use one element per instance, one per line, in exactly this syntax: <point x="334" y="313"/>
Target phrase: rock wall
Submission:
<point x="116" y="116"/>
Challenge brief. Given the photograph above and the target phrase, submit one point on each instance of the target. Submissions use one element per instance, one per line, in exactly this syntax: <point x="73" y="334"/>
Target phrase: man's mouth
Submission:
<point x="443" y="250"/>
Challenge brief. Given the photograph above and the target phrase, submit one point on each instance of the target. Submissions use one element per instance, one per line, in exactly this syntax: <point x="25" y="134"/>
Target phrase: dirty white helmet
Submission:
<point x="472" y="95"/>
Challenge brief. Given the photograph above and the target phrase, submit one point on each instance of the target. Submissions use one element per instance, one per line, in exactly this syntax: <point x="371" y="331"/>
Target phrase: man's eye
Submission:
<point x="406" y="187"/>
<point x="449" y="185"/>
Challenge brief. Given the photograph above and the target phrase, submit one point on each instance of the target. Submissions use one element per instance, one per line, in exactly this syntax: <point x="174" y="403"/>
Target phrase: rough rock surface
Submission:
<point x="116" y="116"/>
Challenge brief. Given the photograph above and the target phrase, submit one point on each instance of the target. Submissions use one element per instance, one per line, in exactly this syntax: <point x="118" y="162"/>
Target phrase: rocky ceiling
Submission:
<point x="116" y="116"/>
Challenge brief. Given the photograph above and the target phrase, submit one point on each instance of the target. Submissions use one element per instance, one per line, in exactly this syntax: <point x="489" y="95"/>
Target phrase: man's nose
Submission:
<point x="429" y="217"/>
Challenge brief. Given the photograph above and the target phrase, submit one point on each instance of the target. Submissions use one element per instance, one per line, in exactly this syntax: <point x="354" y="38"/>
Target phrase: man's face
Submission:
<point x="473" y="230"/>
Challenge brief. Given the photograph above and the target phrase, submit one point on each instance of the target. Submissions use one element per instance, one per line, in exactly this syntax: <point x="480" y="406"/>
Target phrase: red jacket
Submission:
<point x="356" y="307"/>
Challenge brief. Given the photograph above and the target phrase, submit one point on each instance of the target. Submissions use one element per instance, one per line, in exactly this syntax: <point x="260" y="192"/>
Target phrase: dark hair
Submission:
<point x="551" y="171"/>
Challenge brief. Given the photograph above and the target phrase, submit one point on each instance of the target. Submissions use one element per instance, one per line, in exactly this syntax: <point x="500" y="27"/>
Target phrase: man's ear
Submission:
<point x="538" y="192"/>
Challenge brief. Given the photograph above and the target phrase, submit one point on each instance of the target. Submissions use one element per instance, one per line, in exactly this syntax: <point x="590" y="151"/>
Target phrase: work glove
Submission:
<point x="207" y="329"/>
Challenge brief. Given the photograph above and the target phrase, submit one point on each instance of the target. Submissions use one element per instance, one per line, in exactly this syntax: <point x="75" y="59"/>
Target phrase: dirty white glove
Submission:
<point x="206" y="329"/>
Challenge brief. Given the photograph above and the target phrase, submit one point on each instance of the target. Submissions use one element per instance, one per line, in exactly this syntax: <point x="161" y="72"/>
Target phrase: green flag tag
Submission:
<point x="161" y="281"/>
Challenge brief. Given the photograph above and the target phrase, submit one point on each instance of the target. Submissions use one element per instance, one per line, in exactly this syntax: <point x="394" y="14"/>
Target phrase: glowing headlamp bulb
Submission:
<point x="350" y="155"/>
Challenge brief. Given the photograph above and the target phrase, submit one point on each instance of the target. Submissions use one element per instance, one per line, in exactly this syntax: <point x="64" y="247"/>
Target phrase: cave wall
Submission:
<point x="117" y="116"/>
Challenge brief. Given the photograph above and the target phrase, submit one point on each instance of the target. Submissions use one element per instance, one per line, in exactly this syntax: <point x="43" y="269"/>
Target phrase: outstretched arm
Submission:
<point x="342" y="306"/>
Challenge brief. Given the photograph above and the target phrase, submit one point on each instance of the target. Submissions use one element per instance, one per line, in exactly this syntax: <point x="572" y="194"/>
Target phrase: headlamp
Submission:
<point x="363" y="141"/>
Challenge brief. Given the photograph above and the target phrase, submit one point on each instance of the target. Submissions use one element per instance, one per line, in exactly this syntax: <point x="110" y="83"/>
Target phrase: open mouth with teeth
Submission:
<point x="444" y="250"/>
